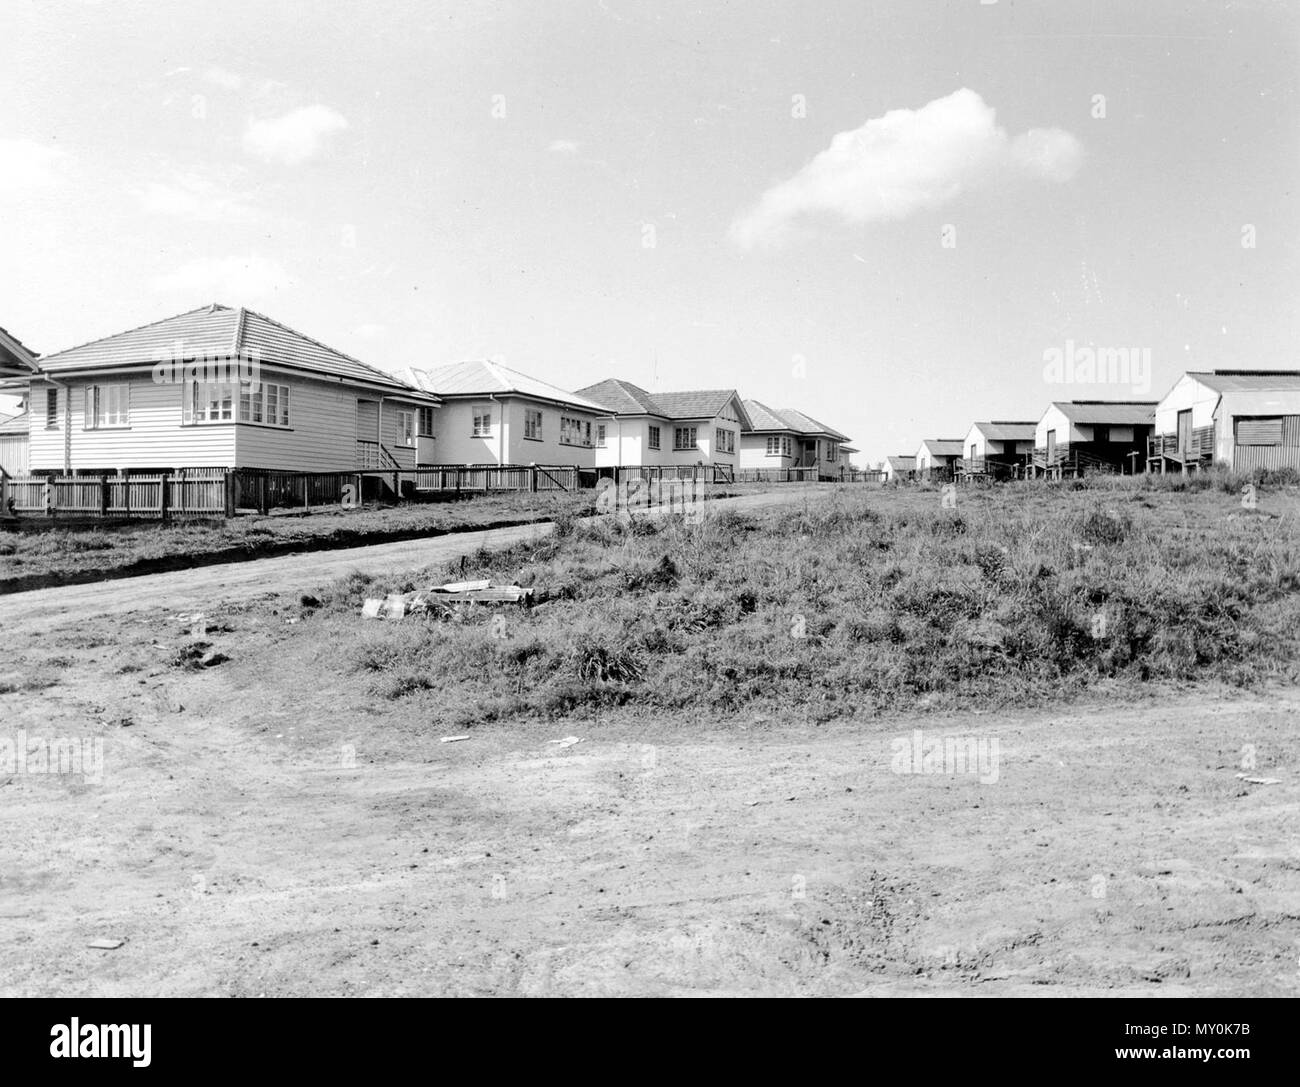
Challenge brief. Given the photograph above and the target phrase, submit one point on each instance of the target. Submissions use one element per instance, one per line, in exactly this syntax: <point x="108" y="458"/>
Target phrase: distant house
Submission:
<point x="937" y="458"/>
<point x="997" y="449"/>
<point x="14" y="445"/>
<point x="782" y="438"/>
<point x="218" y="387"/>
<point x="672" y="429"/>
<point x="17" y="365"/>
<point x="1076" y="436"/>
<point x="492" y="414"/>
<point x="1244" y="419"/>
<point x="899" y="469"/>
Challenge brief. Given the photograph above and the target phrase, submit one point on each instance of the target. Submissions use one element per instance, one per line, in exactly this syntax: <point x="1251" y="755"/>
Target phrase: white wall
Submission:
<point x="753" y="452"/>
<point x="153" y="438"/>
<point x="1248" y="402"/>
<point x="1054" y="419"/>
<point x="1187" y="393"/>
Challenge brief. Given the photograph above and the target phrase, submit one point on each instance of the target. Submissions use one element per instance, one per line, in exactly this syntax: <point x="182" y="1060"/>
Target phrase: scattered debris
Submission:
<point x="400" y="605"/>
<point x="106" y="944"/>
<point x="452" y="739"/>
<point x="568" y="741"/>
<point x="1260" y="781"/>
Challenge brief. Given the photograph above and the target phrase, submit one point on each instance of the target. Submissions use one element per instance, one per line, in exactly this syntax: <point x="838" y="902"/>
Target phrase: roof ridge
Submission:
<point x="235" y="347"/>
<point x="210" y="307"/>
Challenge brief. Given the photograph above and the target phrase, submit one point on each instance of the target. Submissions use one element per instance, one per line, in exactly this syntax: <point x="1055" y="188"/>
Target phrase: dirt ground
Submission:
<point x="264" y="827"/>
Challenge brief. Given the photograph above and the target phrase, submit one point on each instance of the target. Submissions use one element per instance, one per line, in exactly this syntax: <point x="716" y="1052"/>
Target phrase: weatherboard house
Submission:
<point x="1076" y="436"/>
<point x="492" y="414"/>
<point x="938" y="458"/>
<point x="996" y="449"/>
<point x="1244" y="419"/>
<point x="217" y="387"/>
<point x="672" y="429"/>
<point x="782" y="438"/>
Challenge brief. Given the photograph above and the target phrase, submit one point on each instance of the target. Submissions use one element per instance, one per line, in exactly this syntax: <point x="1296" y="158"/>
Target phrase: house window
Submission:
<point x="654" y="437"/>
<point x="600" y="435"/>
<point x="263" y="403"/>
<point x="773" y="446"/>
<point x="106" y="406"/>
<point x="1101" y="434"/>
<point x="482" y="421"/>
<point x="406" y="427"/>
<point x="1260" y="430"/>
<point x="214" y="402"/>
<point x="51" y="407"/>
<point x="426" y="422"/>
<point x="787" y="447"/>
<point x="724" y="441"/>
<point x="572" y="431"/>
<point x="533" y="425"/>
<point x="683" y="437"/>
<point x="832" y="451"/>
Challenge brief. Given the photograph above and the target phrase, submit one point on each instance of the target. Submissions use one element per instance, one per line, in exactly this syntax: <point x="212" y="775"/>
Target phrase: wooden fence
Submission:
<point x="145" y="497"/>
<point x="651" y="473"/>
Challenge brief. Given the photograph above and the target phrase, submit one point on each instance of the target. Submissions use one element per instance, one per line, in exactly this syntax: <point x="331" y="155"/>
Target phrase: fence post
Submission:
<point x="263" y="498"/>
<point x="126" y="491"/>
<point x="163" y="503"/>
<point x="103" y="496"/>
<point x="230" y="493"/>
<point x="532" y="479"/>
<point x="306" y="491"/>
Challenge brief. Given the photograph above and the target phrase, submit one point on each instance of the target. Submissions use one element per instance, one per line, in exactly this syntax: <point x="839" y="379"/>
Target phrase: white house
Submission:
<point x="782" y="438"/>
<point x="218" y="387"/>
<point x="1244" y="419"/>
<point x="899" y="468"/>
<point x="1074" y="436"/>
<point x="937" y="458"/>
<point x="492" y="414"/>
<point x="17" y="365"/>
<point x="996" y="448"/>
<point x="672" y="429"/>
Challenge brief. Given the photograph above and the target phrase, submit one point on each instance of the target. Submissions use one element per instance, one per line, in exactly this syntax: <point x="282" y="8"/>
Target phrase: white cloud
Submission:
<point x="906" y="161"/>
<point x="233" y="280"/>
<point x="25" y="164"/>
<point x="189" y="196"/>
<point x="564" y="147"/>
<point x="294" y="138"/>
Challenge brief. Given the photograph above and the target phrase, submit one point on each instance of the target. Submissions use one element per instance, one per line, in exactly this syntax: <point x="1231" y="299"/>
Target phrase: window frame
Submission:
<point x="653" y="438"/>
<point x="52" y="409"/>
<point x="96" y="417"/>
<point x="683" y="447"/>
<point x="481" y="421"/>
<point x="533" y="421"/>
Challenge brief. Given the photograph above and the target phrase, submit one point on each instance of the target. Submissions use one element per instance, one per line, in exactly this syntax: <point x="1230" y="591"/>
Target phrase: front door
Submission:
<point x="1051" y="446"/>
<point x="1185" y="432"/>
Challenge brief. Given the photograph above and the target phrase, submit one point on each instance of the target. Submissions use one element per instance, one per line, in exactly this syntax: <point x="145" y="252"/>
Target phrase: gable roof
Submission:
<point x="944" y="447"/>
<point x="1002" y="431"/>
<point x="15" y="425"/>
<point x="764" y="418"/>
<point x="902" y="463"/>
<point x="1222" y="381"/>
<point x="217" y="332"/>
<point x="1107" y="412"/>
<point x="481" y="377"/>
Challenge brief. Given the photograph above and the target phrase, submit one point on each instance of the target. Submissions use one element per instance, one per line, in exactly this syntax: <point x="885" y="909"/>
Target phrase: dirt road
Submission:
<point x="206" y="586"/>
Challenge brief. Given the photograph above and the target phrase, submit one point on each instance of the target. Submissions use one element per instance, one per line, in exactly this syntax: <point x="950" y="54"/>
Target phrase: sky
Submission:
<point x="893" y="216"/>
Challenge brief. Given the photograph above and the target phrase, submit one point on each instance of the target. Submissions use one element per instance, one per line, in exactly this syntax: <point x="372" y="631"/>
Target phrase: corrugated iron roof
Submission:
<point x="216" y="332"/>
<point x="1107" y="412"/>
<point x="1007" y="431"/>
<point x="16" y="424"/>
<point x="902" y="463"/>
<point x="944" y="447"/>
<point x="1222" y="381"/>
<point x="481" y="377"/>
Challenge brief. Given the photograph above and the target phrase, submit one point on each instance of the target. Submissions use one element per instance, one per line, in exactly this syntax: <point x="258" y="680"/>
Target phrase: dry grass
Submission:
<point x="868" y="602"/>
